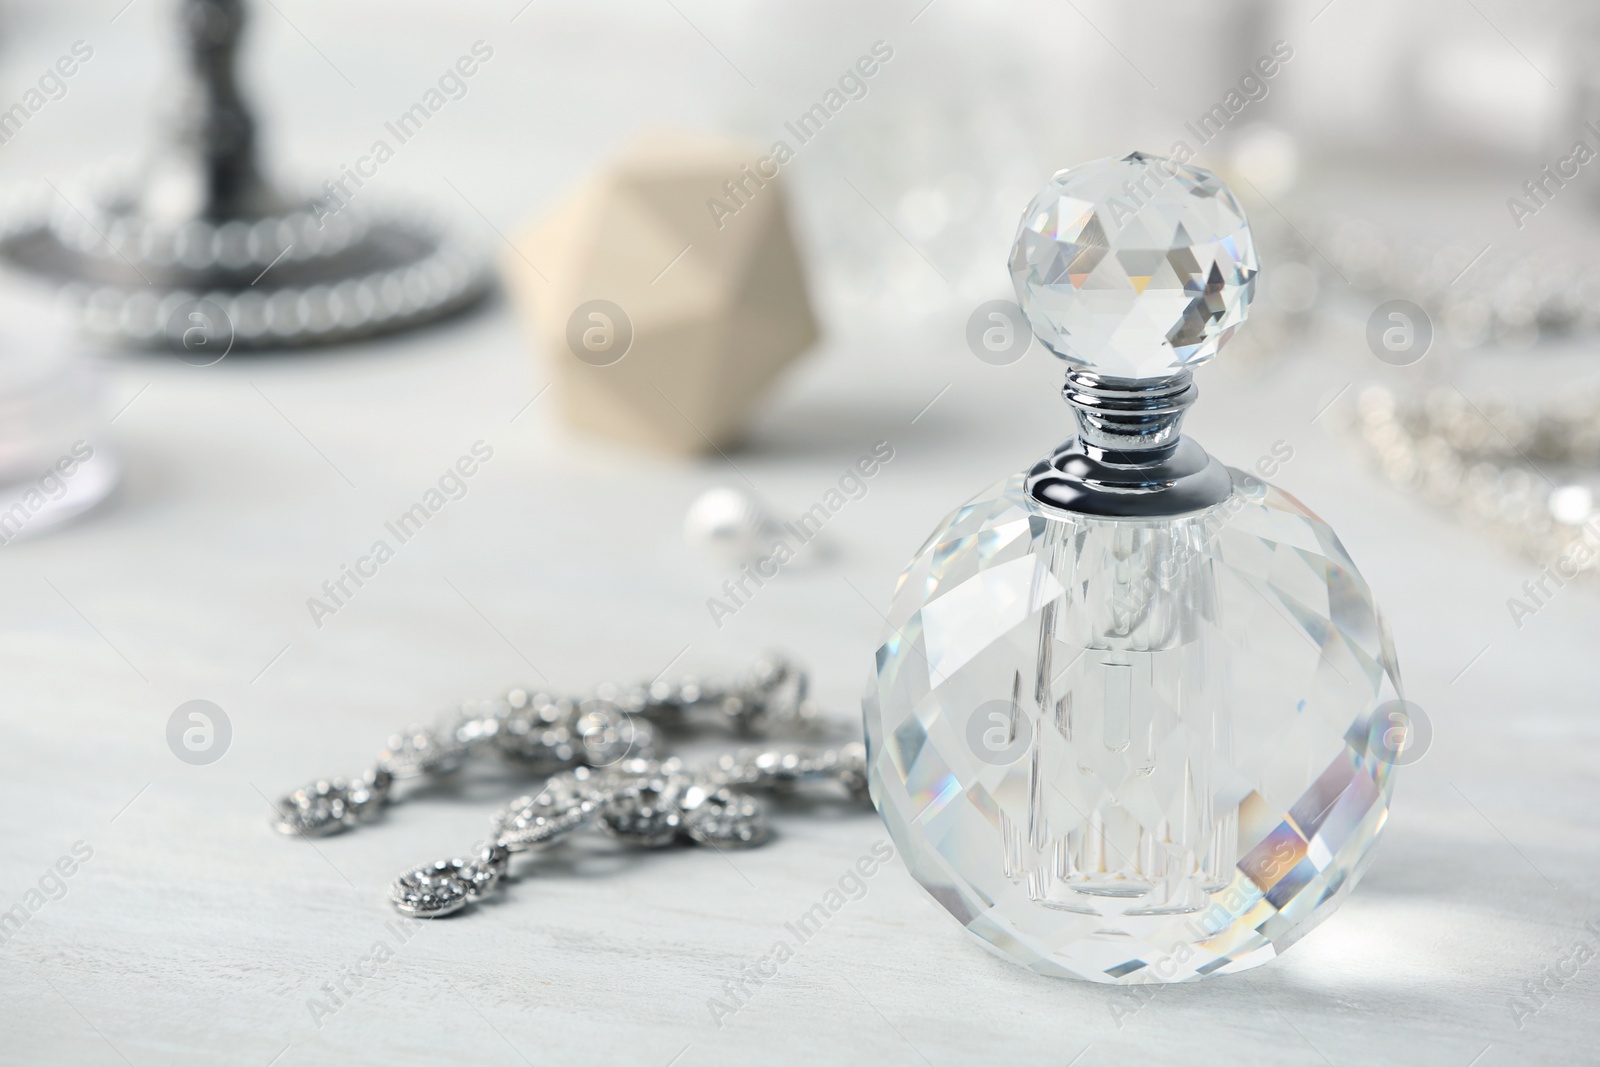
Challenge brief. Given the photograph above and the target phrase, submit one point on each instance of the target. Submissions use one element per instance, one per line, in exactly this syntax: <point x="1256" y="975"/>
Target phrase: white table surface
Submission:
<point x="197" y="936"/>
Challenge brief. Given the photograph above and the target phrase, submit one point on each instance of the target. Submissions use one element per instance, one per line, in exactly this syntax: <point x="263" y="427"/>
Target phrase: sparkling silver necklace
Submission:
<point x="604" y="767"/>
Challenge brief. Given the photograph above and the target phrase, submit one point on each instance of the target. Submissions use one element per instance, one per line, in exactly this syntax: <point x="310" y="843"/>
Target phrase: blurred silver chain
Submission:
<point x="604" y="769"/>
<point x="1483" y="462"/>
<point x="1476" y="296"/>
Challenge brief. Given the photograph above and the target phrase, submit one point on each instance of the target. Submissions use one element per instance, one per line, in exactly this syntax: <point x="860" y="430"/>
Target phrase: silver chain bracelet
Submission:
<point x="600" y="756"/>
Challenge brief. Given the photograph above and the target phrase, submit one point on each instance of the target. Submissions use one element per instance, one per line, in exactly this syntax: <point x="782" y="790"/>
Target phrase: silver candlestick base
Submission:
<point x="198" y="250"/>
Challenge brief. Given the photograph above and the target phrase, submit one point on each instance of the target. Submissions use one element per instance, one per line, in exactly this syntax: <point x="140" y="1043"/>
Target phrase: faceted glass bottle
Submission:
<point x="1126" y="722"/>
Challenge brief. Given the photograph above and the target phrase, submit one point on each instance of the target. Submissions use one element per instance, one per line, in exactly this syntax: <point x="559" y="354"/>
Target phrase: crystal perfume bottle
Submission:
<point x="1127" y="721"/>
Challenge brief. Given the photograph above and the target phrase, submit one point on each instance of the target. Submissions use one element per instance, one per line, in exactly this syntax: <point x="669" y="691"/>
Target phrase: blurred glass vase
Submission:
<point x="56" y="460"/>
<point x="1128" y="722"/>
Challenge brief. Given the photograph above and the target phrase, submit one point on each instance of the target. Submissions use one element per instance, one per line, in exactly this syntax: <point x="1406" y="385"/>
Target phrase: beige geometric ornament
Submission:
<point x="666" y="292"/>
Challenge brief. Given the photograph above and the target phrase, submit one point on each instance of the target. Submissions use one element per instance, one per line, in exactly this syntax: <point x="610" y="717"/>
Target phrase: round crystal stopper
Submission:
<point x="1134" y="267"/>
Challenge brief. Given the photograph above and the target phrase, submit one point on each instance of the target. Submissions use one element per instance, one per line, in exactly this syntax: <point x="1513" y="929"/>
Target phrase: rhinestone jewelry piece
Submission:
<point x="445" y="887"/>
<point x="722" y="817"/>
<point x="421" y="750"/>
<point x="603" y="773"/>
<point x="545" y="734"/>
<point x="567" y="802"/>
<point x="645" y="811"/>
<point x="644" y="803"/>
<point x="327" y="807"/>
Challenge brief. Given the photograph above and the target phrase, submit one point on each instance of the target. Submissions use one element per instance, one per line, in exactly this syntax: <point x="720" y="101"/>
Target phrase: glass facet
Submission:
<point x="1135" y="267"/>
<point x="1133" y="750"/>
